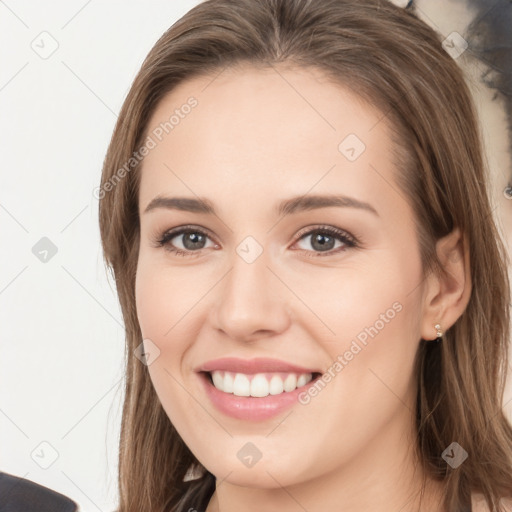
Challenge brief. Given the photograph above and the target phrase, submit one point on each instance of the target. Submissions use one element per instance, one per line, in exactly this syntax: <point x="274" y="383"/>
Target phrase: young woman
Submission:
<point x="295" y="209"/>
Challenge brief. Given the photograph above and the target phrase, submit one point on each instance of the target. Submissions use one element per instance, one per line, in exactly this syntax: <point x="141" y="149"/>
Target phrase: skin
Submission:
<point x="256" y="137"/>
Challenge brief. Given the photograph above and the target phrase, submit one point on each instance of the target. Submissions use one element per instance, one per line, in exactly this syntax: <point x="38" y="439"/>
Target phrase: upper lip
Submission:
<point x="250" y="366"/>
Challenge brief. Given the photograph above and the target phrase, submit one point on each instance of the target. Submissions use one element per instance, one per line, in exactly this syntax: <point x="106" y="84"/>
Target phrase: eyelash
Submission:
<point x="348" y="240"/>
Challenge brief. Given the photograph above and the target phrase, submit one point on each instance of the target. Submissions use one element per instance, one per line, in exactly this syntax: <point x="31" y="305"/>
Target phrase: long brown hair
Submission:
<point x="395" y="62"/>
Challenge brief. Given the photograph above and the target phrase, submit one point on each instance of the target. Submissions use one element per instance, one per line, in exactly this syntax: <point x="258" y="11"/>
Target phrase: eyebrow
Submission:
<point x="286" y="207"/>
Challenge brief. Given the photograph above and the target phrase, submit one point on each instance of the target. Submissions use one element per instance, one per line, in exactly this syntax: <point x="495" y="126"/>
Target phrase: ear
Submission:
<point x="447" y="295"/>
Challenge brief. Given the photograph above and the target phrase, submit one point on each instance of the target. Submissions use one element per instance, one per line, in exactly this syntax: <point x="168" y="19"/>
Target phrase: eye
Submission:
<point x="191" y="238"/>
<point x="324" y="239"/>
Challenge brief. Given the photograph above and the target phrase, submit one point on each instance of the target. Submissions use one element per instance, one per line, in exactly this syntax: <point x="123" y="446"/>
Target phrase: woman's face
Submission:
<point x="310" y="258"/>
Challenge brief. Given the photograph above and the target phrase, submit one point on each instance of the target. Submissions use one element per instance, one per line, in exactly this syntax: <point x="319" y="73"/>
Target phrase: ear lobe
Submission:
<point x="448" y="293"/>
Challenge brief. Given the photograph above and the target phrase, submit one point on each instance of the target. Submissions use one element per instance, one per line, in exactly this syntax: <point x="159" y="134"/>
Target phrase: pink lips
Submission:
<point x="248" y="407"/>
<point x="258" y="365"/>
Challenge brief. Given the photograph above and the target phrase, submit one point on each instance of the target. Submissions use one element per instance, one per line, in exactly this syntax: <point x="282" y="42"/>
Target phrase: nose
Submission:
<point x="251" y="301"/>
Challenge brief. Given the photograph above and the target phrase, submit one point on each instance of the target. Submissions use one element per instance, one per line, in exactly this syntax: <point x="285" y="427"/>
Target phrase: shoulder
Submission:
<point x="20" y="495"/>
<point x="479" y="504"/>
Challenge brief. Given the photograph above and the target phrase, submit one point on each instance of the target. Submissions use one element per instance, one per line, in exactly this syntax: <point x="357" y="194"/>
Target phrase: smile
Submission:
<point x="260" y="384"/>
<point x="260" y="406"/>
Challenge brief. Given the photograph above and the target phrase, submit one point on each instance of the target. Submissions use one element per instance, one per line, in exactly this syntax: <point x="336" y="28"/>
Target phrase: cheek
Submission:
<point x="159" y="309"/>
<point x="163" y="297"/>
<point x="151" y="297"/>
<point x="171" y="308"/>
<point x="372" y="362"/>
<point x="375" y="314"/>
<point x="162" y="314"/>
<point x="369" y="300"/>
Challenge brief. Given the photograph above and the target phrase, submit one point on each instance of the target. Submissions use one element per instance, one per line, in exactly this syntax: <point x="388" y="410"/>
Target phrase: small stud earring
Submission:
<point x="439" y="332"/>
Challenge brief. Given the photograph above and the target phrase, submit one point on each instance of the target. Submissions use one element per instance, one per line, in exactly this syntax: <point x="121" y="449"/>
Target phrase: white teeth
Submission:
<point x="260" y="385"/>
<point x="276" y="385"/>
<point x="301" y="380"/>
<point x="227" y="386"/>
<point x="241" y="385"/>
<point x="291" y="382"/>
<point x="218" y="380"/>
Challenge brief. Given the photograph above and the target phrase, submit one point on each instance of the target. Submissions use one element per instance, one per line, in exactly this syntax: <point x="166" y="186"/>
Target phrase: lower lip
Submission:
<point x="249" y="407"/>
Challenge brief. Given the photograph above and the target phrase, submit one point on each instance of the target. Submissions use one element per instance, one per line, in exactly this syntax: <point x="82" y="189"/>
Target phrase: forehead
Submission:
<point x="265" y="129"/>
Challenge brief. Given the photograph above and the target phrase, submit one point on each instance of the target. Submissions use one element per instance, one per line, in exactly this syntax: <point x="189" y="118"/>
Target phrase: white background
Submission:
<point x="62" y="339"/>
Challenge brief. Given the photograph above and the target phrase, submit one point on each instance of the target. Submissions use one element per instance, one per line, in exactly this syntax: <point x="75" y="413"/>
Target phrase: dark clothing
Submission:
<point x="20" y="495"/>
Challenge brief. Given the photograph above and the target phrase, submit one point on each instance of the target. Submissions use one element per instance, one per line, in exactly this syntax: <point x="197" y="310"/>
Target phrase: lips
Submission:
<point x="250" y="408"/>
<point x="253" y="366"/>
<point x="266" y="387"/>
